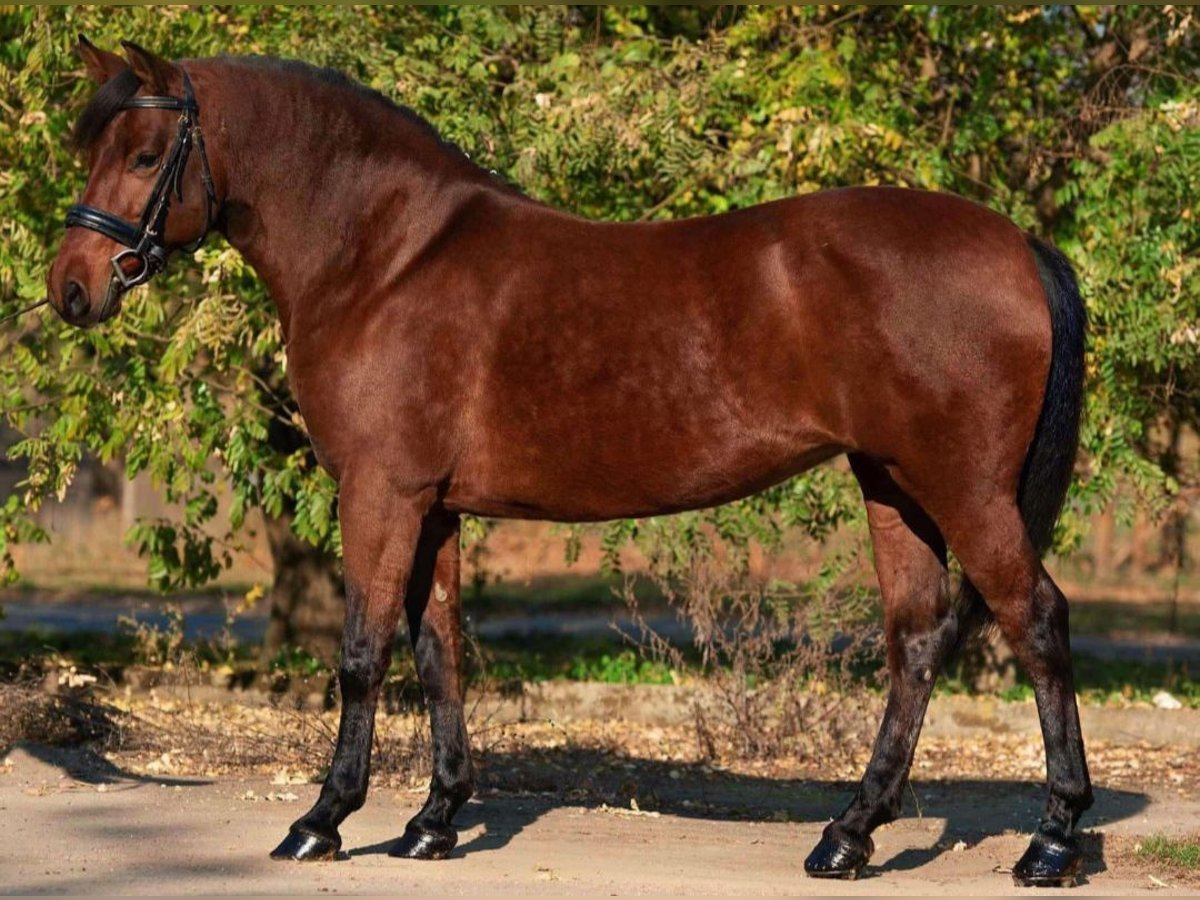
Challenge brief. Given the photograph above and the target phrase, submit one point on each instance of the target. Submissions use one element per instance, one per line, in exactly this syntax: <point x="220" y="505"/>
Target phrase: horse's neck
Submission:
<point x="322" y="181"/>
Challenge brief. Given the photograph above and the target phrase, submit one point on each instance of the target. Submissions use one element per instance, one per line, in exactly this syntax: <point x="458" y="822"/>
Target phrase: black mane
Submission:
<point x="337" y="79"/>
<point x="113" y="94"/>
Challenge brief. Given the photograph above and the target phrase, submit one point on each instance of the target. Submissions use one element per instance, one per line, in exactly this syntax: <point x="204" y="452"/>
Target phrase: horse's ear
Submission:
<point x="100" y="64"/>
<point x="153" y="71"/>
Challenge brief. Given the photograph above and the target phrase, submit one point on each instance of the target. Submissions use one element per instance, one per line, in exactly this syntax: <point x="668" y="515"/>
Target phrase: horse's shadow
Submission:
<point x="86" y="766"/>
<point x="518" y="788"/>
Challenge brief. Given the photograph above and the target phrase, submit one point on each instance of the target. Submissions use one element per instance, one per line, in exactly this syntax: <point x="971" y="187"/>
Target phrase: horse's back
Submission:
<point x="628" y="369"/>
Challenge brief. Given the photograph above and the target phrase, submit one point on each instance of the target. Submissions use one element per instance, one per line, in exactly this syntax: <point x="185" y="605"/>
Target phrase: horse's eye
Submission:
<point x="146" y="160"/>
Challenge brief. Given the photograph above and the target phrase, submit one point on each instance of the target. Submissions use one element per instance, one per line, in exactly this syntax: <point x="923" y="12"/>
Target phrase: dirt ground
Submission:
<point x="77" y="822"/>
<point x="583" y="788"/>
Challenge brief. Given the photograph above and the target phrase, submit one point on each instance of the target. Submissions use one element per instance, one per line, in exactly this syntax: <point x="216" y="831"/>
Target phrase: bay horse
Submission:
<point x="456" y="347"/>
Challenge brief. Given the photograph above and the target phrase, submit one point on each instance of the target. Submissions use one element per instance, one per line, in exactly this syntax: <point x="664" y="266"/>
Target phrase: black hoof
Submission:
<point x="839" y="855"/>
<point x="1051" y="861"/>
<point x="425" y="842"/>
<point x="307" y="847"/>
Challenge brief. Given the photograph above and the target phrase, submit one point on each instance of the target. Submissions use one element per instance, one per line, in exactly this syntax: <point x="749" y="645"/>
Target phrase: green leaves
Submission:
<point x="618" y="113"/>
<point x="1134" y="236"/>
<point x="181" y="555"/>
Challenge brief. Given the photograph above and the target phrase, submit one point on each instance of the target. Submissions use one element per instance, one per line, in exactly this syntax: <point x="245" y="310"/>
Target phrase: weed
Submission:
<point x="780" y="666"/>
<point x="1183" y="853"/>
<point x="296" y="661"/>
<point x="155" y="645"/>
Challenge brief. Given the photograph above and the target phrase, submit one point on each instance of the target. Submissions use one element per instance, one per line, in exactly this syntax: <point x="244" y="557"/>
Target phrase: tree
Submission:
<point x="1077" y="121"/>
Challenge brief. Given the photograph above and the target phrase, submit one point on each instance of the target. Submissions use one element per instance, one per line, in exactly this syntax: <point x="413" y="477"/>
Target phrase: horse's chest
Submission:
<point x="375" y="408"/>
<point x="318" y="425"/>
<point x="329" y="416"/>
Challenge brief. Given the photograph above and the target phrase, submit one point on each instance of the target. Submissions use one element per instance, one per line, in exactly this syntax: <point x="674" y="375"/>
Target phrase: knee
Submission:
<point x="363" y="667"/>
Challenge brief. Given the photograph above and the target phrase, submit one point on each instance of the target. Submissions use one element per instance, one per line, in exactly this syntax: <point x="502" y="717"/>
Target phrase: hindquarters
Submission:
<point x="975" y="410"/>
<point x="992" y="494"/>
<point x="944" y="339"/>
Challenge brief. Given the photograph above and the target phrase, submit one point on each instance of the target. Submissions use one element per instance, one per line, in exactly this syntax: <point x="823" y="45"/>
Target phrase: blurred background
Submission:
<point x="158" y="501"/>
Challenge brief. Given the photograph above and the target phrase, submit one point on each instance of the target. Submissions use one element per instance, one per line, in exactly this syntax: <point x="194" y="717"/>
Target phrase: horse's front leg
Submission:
<point x="435" y="627"/>
<point x="380" y="535"/>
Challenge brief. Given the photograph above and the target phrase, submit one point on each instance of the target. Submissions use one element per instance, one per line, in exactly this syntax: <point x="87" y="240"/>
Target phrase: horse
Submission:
<point x="456" y="347"/>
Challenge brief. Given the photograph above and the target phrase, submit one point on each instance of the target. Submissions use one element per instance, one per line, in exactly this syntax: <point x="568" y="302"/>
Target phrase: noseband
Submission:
<point x="146" y="241"/>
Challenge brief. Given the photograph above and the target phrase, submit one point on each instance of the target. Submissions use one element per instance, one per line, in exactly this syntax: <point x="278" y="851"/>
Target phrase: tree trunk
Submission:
<point x="308" y="598"/>
<point x="1139" y="544"/>
<point x="987" y="664"/>
<point x="1104" y="531"/>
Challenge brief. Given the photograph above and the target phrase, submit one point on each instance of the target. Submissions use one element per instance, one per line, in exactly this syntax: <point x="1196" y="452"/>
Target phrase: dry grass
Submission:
<point x="775" y="663"/>
<point x="28" y="712"/>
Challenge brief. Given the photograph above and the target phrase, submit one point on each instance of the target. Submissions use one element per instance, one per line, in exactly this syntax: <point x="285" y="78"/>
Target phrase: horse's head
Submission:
<point x="149" y="189"/>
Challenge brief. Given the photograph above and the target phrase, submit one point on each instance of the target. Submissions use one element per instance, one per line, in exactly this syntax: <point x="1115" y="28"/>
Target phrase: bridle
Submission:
<point x="146" y="241"/>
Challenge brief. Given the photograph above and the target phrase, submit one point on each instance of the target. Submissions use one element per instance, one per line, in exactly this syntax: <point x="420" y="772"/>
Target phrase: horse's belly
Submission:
<point x="578" y="483"/>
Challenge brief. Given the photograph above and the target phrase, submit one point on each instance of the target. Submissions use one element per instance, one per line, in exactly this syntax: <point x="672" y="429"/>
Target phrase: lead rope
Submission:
<point x="21" y="312"/>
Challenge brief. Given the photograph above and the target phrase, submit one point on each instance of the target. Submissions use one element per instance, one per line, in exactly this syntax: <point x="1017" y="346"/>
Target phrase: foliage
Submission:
<point x="621" y="668"/>
<point x="1080" y="122"/>
<point x="296" y="661"/>
<point x="1135" y="240"/>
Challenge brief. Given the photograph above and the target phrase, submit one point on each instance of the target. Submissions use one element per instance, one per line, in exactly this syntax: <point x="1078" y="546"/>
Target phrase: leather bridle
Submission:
<point x="146" y="241"/>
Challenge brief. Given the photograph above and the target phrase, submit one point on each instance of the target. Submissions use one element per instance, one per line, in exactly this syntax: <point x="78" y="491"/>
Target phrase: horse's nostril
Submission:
<point x="75" y="300"/>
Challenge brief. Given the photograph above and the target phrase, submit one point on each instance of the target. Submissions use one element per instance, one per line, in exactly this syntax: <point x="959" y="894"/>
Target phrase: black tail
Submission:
<point x="1051" y="458"/>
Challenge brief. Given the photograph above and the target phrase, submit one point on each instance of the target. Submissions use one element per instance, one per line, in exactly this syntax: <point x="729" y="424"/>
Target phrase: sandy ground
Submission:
<point x="73" y="828"/>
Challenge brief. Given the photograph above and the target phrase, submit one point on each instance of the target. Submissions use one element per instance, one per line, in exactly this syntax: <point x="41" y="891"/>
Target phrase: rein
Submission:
<point x="146" y="241"/>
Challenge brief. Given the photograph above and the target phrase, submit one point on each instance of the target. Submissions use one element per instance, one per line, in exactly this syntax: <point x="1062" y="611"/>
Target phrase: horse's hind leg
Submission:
<point x="435" y="627"/>
<point x="997" y="556"/>
<point x="921" y="627"/>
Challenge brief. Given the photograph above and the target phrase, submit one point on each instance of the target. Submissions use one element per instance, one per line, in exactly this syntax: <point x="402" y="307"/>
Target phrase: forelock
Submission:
<point x="100" y="110"/>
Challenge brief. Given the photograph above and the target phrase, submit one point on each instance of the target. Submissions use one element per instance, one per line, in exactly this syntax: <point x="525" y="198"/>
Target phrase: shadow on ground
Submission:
<point x="516" y="789"/>
<point x="89" y="767"/>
